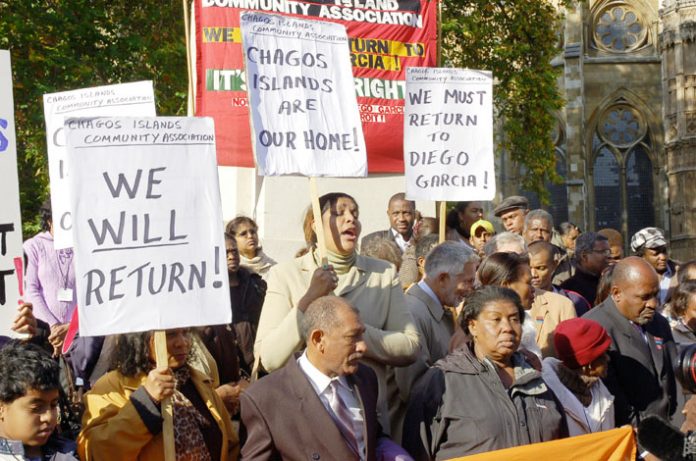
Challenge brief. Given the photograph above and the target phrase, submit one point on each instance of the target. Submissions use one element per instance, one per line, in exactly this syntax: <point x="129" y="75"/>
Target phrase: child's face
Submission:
<point x="31" y="418"/>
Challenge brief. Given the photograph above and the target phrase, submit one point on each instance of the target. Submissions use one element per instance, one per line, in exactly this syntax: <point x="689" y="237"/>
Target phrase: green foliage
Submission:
<point x="62" y="45"/>
<point x="516" y="40"/>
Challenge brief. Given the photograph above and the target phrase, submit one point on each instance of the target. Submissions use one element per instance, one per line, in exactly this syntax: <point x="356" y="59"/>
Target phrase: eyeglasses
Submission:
<point x="602" y="252"/>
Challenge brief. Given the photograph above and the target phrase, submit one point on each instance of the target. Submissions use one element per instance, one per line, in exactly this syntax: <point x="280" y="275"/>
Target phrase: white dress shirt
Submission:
<point x="321" y="384"/>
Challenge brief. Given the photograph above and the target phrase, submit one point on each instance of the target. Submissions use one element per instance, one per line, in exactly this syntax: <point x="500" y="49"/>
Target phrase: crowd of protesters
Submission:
<point x="397" y="348"/>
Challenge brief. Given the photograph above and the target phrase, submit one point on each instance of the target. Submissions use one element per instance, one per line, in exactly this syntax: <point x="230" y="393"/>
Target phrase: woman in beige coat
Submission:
<point x="371" y="285"/>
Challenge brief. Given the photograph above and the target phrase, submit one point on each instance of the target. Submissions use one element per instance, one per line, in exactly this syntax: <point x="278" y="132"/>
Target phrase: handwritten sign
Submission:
<point x="11" y="262"/>
<point x="448" y="134"/>
<point x="128" y="99"/>
<point x="147" y="224"/>
<point x="305" y="117"/>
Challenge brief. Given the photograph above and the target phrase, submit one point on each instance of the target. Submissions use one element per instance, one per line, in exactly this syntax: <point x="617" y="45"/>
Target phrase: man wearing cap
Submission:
<point x="576" y="375"/>
<point x="640" y="374"/>
<point x="650" y="244"/>
<point x="481" y="232"/>
<point x="512" y="211"/>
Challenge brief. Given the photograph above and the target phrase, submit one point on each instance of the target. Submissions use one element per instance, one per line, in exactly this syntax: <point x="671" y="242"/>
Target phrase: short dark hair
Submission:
<point x="384" y="249"/>
<point x="475" y="303"/>
<point x="501" y="268"/>
<point x="24" y="367"/>
<point x="681" y="296"/>
<point x="321" y="315"/>
<point x="585" y="243"/>
<point x="401" y="196"/>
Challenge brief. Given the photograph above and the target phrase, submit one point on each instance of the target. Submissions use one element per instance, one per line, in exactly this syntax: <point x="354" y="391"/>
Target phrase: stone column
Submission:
<point x="678" y="47"/>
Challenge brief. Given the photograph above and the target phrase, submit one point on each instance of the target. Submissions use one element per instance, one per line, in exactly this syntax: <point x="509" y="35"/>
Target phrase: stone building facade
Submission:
<point x="626" y="139"/>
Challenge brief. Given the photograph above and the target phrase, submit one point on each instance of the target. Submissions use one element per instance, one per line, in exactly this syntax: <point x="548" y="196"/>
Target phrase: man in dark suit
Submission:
<point x="401" y="214"/>
<point x="322" y="404"/>
<point x="640" y="373"/>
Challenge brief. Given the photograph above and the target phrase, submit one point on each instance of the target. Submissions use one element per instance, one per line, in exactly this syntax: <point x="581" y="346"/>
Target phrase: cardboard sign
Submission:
<point x="385" y="37"/>
<point x="304" y="113"/>
<point x="11" y="261"/>
<point x="448" y="134"/>
<point x="147" y="224"/>
<point x="128" y="99"/>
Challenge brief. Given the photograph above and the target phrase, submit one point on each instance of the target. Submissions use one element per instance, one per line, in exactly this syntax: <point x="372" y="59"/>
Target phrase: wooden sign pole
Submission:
<point x="162" y="358"/>
<point x="318" y="222"/>
<point x="443" y="221"/>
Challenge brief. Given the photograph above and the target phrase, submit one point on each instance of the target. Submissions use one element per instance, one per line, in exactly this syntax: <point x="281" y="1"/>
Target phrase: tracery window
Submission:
<point x="619" y="28"/>
<point x="622" y="170"/>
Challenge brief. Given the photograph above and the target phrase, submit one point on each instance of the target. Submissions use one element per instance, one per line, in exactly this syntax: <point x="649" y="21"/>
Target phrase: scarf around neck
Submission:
<point x="260" y="264"/>
<point x="188" y="421"/>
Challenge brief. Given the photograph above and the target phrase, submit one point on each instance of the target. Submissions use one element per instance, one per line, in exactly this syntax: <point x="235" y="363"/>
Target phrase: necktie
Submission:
<point x="343" y="418"/>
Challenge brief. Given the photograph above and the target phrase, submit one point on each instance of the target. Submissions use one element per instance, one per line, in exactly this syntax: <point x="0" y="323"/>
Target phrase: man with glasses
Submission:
<point x="650" y="244"/>
<point x="591" y="257"/>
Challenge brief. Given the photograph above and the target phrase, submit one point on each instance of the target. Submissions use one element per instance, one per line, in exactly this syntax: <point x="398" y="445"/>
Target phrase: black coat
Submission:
<point x="641" y="376"/>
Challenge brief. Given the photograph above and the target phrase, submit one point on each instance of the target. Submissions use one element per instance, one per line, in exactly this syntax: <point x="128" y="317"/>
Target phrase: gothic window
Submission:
<point x="619" y="28"/>
<point x="622" y="170"/>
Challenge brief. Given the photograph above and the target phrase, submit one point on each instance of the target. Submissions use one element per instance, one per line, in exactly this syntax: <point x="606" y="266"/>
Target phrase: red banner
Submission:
<point x="386" y="36"/>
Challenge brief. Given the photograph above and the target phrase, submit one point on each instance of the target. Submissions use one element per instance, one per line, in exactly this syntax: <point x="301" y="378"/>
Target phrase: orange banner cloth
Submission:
<point x="615" y="445"/>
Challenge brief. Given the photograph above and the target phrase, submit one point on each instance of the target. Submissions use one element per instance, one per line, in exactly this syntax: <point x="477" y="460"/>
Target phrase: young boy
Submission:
<point x="29" y="392"/>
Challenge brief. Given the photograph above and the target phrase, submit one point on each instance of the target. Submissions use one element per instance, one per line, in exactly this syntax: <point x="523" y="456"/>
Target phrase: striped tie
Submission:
<point x="343" y="418"/>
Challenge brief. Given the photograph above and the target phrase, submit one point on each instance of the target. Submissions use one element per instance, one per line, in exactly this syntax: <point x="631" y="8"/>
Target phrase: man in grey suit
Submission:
<point x="322" y="404"/>
<point x="450" y="271"/>
<point x="640" y="375"/>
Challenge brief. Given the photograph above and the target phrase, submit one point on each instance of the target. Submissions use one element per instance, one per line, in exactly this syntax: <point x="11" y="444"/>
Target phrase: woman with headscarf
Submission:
<point x="123" y="417"/>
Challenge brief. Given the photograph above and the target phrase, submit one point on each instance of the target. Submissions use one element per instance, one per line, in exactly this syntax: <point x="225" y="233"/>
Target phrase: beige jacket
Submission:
<point x="548" y="310"/>
<point x="371" y="285"/>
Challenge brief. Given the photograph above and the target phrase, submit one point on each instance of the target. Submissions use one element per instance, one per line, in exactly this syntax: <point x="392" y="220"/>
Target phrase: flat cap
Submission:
<point x="649" y="237"/>
<point x="511" y="203"/>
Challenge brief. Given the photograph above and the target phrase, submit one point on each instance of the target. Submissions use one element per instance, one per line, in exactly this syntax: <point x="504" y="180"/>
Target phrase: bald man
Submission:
<point x="640" y="374"/>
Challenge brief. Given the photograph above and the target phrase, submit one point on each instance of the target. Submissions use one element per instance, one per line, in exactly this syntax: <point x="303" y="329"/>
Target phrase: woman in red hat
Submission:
<point x="576" y="375"/>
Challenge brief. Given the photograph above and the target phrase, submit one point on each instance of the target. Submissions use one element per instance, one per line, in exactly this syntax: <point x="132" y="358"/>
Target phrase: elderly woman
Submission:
<point x="369" y="284"/>
<point x="122" y="411"/>
<point x="575" y="377"/>
<point x="484" y="396"/>
<point x="510" y="270"/>
<point x="252" y="257"/>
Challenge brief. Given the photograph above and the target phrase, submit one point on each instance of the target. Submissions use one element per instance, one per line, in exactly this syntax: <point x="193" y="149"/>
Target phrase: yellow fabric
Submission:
<point x="615" y="445"/>
<point x="548" y="310"/>
<point x="112" y="429"/>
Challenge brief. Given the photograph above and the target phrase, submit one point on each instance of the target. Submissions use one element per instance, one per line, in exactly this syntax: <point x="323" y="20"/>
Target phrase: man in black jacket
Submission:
<point x="640" y="370"/>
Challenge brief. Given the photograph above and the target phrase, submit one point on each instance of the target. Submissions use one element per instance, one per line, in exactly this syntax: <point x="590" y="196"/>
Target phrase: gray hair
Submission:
<point x="449" y="258"/>
<point x="538" y="214"/>
<point x="504" y="238"/>
<point x="585" y="243"/>
<point x="321" y="314"/>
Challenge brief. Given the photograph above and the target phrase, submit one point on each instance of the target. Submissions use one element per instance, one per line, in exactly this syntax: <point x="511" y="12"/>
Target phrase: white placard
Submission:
<point x="147" y="224"/>
<point x="11" y="261"/>
<point x="128" y="99"/>
<point x="448" y="134"/>
<point x="305" y="117"/>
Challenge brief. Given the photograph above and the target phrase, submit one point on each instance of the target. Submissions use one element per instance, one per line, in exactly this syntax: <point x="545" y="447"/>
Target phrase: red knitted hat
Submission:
<point x="580" y="341"/>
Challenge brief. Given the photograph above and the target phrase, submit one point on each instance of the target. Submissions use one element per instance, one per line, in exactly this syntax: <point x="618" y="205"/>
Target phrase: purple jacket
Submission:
<point x="48" y="271"/>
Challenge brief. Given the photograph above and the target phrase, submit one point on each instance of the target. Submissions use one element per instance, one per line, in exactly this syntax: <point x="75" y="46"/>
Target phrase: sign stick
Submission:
<point x="187" y="36"/>
<point x="318" y="223"/>
<point x="443" y="221"/>
<point x="162" y="358"/>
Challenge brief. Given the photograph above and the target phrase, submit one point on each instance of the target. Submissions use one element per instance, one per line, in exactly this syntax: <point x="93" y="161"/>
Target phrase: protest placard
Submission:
<point x="127" y="99"/>
<point x="11" y="262"/>
<point x="385" y="37"/>
<point x="305" y="117"/>
<point x="147" y="224"/>
<point x="448" y="134"/>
